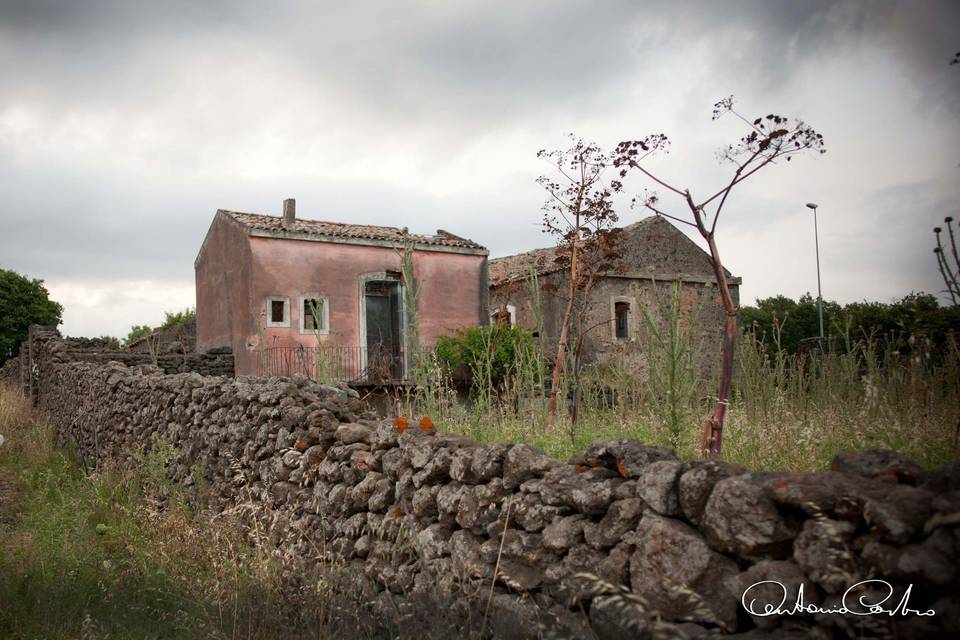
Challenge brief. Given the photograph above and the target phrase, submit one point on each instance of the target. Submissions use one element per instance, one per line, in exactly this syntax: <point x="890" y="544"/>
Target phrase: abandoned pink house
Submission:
<point x="330" y="300"/>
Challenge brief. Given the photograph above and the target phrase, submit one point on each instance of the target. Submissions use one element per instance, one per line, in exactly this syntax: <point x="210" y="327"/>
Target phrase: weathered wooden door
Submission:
<point x="383" y="308"/>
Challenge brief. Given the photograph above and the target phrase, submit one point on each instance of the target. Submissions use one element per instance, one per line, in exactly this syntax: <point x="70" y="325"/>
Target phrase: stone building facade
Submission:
<point x="654" y="257"/>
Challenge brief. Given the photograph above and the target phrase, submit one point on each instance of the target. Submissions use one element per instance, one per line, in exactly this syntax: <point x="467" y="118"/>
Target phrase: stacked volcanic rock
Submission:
<point x="619" y="541"/>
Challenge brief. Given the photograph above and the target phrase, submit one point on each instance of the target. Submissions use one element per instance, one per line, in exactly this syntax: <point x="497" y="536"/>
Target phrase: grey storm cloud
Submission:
<point x="124" y="125"/>
<point x="486" y="52"/>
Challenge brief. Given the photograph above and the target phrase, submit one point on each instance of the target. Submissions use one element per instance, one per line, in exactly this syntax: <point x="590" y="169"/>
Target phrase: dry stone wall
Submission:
<point x="23" y="370"/>
<point x="669" y="544"/>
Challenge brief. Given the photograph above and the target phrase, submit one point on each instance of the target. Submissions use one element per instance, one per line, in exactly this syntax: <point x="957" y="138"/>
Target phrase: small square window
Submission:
<point x="314" y="314"/>
<point x="278" y="311"/>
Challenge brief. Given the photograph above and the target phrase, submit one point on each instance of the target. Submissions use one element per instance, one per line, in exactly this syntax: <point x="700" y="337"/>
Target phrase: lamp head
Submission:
<point x="811" y="205"/>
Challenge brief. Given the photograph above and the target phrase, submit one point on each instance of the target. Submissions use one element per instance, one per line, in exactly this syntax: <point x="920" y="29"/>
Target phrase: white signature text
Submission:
<point x="877" y="603"/>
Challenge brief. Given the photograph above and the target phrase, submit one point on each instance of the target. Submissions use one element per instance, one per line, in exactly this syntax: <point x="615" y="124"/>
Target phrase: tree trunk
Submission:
<point x="560" y="364"/>
<point x="713" y="428"/>
<point x="577" y="355"/>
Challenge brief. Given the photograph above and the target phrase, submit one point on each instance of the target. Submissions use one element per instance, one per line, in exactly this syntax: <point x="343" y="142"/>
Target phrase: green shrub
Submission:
<point x="489" y="352"/>
<point x="137" y="331"/>
<point x="171" y="320"/>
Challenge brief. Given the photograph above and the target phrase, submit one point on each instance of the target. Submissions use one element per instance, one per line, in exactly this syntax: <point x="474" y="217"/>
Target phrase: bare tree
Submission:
<point x="768" y="139"/>
<point x="949" y="272"/>
<point x="578" y="211"/>
<point x="599" y="254"/>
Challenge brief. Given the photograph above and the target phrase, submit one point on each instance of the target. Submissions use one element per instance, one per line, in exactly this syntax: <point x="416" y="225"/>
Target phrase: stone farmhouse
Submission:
<point x="289" y="295"/>
<point x="654" y="255"/>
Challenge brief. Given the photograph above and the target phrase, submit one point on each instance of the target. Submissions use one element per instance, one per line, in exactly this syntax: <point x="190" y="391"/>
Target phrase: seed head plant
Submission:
<point x="768" y="139"/>
<point x="948" y="259"/>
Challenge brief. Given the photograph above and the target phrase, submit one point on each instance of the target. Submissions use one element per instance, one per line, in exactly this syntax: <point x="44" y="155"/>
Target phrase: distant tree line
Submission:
<point x="171" y="320"/>
<point x="783" y="322"/>
<point x="23" y="301"/>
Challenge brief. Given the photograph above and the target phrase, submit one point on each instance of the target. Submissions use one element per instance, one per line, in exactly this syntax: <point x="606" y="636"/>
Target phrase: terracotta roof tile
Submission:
<point x="517" y="267"/>
<point x="349" y="231"/>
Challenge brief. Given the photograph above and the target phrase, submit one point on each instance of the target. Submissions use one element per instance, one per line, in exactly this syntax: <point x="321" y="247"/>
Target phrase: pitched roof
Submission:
<point x="650" y="235"/>
<point x="517" y="267"/>
<point x="345" y="231"/>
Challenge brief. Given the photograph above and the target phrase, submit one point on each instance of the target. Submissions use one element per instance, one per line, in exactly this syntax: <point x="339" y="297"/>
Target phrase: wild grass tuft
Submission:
<point x="121" y="553"/>
<point x="788" y="412"/>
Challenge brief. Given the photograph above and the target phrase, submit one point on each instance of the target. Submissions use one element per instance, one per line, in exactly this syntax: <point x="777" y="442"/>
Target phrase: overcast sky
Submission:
<point x="125" y="125"/>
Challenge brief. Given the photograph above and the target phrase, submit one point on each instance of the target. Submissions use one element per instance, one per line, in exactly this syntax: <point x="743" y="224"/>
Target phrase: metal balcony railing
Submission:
<point x="353" y="365"/>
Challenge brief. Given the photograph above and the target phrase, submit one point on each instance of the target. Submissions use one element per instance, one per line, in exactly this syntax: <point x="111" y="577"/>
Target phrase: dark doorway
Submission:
<point x="501" y="317"/>
<point x="383" y="308"/>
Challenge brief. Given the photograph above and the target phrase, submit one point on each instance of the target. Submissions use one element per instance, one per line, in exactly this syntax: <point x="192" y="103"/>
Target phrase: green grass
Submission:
<point x="787" y="412"/>
<point x="120" y="555"/>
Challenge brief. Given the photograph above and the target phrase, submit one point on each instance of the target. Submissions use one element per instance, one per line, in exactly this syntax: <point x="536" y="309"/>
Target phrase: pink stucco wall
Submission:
<point x="452" y="290"/>
<point x="223" y="286"/>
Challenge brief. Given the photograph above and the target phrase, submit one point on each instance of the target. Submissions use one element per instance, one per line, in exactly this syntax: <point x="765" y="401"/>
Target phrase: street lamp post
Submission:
<point x="816" y="240"/>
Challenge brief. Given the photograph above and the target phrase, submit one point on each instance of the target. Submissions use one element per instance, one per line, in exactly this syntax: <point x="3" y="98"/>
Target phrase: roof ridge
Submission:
<point x="632" y="225"/>
<point x="349" y="231"/>
<point x="513" y="267"/>
<point x="352" y="224"/>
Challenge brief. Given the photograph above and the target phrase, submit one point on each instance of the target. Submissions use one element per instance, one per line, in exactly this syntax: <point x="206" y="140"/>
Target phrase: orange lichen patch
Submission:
<point x="593" y="462"/>
<point x="396" y="513"/>
<point x="361" y="464"/>
<point x="579" y="468"/>
<point x="301" y="445"/>
<point x="426" y="424"/>
<point x="781" y="485"/>
<point x="622" y="470"/>
<point x="400" y="424"/>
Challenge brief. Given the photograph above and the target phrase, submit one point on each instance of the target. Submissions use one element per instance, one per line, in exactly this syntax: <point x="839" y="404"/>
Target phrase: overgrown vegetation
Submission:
<point x="411" y="297"/>
<point x="890" y="390"/>
<point x="484" y="356"/>
<point x="120" y="553"/>
<point x="787" y="411"/>
<point x="674" y="373"/>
